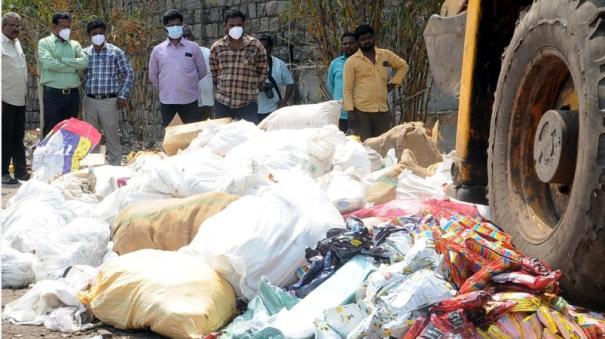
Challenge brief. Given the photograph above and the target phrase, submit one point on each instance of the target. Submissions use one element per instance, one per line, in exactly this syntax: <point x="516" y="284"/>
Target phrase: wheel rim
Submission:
<point x="541" y="157"/>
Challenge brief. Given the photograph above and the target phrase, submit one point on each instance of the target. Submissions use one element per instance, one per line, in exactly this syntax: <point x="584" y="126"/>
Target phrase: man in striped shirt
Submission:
<point x="239" y="70"/>
<point x="108" y="81"/>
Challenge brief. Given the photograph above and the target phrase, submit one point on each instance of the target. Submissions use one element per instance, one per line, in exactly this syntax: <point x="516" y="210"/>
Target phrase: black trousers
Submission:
<point x="58" y="106"/>
<point x="188" y="112"/>
<point x="13" y="130"/>
<point x="370" y="124"/>
<point x="248" y="112"/>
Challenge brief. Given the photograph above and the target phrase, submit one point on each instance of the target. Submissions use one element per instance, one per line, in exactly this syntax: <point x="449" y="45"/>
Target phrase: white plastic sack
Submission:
<point x="411" y="186"/>
<point x="204" y="137"/>
<point x="105" y="178"/>
<point x="231" y="135"/>
<point x="353" y="155"/>
<point x="311" y="150"/>
<point x="81" y="242"/>
<point x="344" y="190"/>
<point x="76" y="186"/>
<point x="303" y="116"/>
<point x="266" y="235"/>
<point x="190" y="173"/>
<point x="17" y="269"/>
<point x="34" y="216"/>
<point x="53" y="303"/>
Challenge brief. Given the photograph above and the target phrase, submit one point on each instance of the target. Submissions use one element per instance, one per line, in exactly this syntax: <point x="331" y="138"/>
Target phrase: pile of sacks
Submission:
<point x="321" y="236"/>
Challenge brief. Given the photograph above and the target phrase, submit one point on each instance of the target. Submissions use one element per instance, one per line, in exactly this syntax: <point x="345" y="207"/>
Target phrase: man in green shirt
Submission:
<point x="61" y="60"/>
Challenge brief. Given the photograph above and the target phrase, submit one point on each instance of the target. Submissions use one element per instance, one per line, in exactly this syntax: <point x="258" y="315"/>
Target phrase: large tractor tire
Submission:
<point x="547" y="143"/>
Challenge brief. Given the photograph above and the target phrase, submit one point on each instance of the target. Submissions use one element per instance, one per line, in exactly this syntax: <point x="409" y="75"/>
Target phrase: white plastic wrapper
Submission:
<point x="17" y="269"/>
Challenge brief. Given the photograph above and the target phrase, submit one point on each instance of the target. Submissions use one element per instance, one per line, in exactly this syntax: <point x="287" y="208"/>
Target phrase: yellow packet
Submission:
<point x="546" y="319"/>
<point x="496" y="332"/>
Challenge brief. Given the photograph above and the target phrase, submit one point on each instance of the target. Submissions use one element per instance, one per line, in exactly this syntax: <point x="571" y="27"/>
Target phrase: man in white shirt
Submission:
<point x="14" y="78"/>
<point x="205" y="86"/>
<point x="272" y="95"/>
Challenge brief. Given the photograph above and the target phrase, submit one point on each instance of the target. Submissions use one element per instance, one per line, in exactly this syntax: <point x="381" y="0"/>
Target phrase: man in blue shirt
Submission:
<point x="109" y="79"/>
<point x="272" y="95"/>
<point x="334" y="81"/>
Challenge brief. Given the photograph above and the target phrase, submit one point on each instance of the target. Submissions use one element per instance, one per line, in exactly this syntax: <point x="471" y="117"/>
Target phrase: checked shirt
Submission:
<point x="109" y="72"/>
<point x="237" y="73"/>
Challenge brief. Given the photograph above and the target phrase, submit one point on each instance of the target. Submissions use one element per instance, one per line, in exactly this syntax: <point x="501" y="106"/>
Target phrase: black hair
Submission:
<point x="348" y="34"/>
<point x="234" y="13"/>
<point x="96" y="23"/>
<point x="171" y="15"/>
<point x="268" y="39"/>
<point x="61" y="15"/>
<point x="363" y="30"/>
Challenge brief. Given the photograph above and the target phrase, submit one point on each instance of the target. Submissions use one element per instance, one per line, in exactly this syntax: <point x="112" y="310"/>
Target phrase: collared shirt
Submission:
<point x="60" y="62"/>
<point x="282" y="76"/>
<point x="14" y="72"/>
<point x="334" y="81"/>
<point x="365" y="83"/>
<point x="176" y="70"/>
<point x="237" y="73"/>
<point x="105" y="70"/>
<point x="206" y="86"/>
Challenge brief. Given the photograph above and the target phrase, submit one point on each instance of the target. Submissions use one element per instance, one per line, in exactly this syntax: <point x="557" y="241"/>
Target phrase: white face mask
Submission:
<point x="64" y="33"/>
<point x="98" y="39"/>
<point x="175" y="32"/>
<point x="236" y="32"/>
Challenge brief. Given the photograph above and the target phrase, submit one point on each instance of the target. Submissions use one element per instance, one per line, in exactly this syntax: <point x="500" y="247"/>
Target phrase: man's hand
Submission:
<point x="390" y="86"/>
<point x="121" y="103"/>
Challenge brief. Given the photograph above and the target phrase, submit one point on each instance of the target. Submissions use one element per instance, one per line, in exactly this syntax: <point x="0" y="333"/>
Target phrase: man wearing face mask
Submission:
<point x="334" y="79"/>
<point x="175" y="68"/>
<point x="108" y="81"/>
<point x="239" y="70"/>
<point x="61" y="60"/>
<point x="366" y="84"/>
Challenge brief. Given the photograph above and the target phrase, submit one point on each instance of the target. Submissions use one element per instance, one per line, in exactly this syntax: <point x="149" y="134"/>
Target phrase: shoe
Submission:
<point x="24" y="177"/>
<point x="8" y="180"/>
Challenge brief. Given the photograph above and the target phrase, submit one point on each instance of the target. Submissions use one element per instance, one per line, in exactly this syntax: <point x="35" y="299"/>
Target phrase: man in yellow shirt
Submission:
<point x="366" y="85"/>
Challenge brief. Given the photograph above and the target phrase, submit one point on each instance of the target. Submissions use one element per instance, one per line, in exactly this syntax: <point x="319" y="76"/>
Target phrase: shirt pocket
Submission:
<point x="187" y="63"/>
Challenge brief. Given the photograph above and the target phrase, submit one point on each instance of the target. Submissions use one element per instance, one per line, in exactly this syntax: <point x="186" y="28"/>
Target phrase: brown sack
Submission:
<point x="410" y="135"/>
<point x="385" y="187"/>
<point x="165" y="224"/>
<point x="180" y="136"/>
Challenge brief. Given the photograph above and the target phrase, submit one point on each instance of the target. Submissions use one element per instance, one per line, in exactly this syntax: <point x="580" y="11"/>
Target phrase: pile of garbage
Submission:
<point x="289" y="231"/>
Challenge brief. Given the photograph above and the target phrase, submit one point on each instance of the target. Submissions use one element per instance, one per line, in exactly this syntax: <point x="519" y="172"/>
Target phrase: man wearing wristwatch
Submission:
<point x="61" y="59"/>
<point x="108" y="82"/>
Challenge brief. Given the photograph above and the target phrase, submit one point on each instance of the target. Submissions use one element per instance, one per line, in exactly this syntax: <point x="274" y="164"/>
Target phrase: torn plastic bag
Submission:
<point x="538" y="284"/>
<point x="345" y="190"/>
<point x="390" y="210"/>
<point x="339" y="289"/>
<point x="421" y="255"/>
<point x="448" y="325"/>
<point x="17" y="269"/>
<point x="54" y="303"/>
<point x="320" y="269"/>
<point x="342" y="320"/>
<point x="468" y="301"/>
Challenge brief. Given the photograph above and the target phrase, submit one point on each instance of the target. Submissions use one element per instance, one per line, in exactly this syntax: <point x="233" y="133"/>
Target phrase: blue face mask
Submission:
<point x="175" y="32"/>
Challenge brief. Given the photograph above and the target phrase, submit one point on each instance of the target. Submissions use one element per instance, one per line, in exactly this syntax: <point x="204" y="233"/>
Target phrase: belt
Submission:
<point x="100" y="97"/>
<point x="64" y="91"/>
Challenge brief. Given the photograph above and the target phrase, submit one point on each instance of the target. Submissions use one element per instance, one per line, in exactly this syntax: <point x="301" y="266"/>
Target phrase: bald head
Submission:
<point x="11" y="25"/>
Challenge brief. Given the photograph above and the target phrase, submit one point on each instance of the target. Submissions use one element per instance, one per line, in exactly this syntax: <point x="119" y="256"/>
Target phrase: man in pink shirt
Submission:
<point x="175" y="68"/>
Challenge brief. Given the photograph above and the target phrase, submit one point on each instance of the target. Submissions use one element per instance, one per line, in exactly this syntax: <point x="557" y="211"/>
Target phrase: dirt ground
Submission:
<point x="17" y="331"/>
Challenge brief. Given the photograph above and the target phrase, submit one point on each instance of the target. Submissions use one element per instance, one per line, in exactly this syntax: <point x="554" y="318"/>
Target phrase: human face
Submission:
<point x="96" y="31"/>
<point x="11" y="27"/>
<point x="61" y="24"/>
<point x="349" y="45"/>
<point x="268" y="48"/>
<point x="366" y="42"/>
<point x="233" y="22"/>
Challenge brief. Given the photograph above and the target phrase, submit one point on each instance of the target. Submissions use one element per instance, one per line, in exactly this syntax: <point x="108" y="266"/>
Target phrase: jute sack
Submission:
<point x="410" y="135"/>
<point x="171" y="293"/>
<point x="165" y="224"/>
